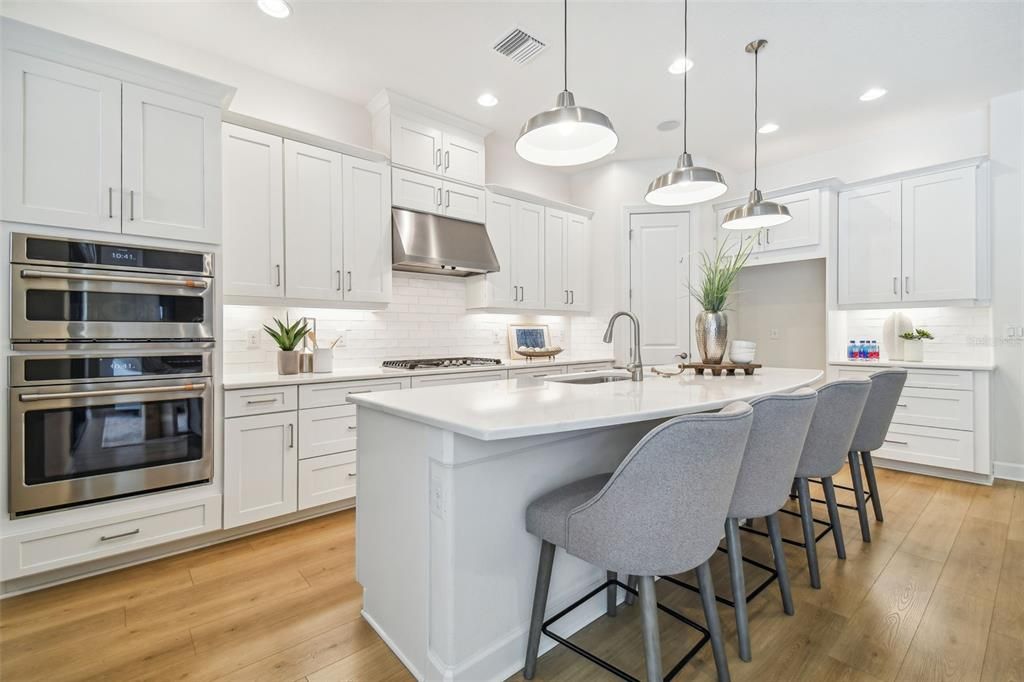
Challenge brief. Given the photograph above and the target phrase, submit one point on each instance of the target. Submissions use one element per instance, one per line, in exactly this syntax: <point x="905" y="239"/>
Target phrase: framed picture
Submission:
<point x="534" y="336"/>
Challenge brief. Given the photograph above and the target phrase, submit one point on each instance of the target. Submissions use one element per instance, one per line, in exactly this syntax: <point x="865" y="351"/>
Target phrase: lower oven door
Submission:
<point x="76" y="444"/>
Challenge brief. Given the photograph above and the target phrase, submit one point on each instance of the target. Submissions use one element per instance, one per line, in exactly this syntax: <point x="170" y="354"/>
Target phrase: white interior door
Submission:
<point x="367" y="230"/>
<point x="313" y="222"/>
<point x="659" y="246"/>
<point x="253" y="262"/>
<point x="61" y="145"/>
<point x="171" y="166"/>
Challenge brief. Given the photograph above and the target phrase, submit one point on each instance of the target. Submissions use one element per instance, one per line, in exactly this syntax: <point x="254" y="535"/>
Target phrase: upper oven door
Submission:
<point x="83" y="304"/>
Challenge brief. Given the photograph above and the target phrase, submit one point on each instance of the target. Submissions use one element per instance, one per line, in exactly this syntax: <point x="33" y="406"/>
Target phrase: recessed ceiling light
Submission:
<point x="279" y="9"/>
<point x="768" y="128"/>
<point x="680" y="66"/>
<point x="668" y="125"/>
<point x="487" y="100"/>
<point x="873" y="93"/>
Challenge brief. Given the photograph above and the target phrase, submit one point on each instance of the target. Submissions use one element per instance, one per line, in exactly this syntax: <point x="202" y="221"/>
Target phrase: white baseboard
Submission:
<point x="1009" y="470"/>
<point x="938" y="472"/>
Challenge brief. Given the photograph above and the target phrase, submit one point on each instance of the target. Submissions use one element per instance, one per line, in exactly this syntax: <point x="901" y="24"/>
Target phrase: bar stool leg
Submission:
<point x="833" y="516"/>
<point x="858" y="492"/>
<point x="540" y="599"/>
<point x="707" y="598"/>
<point x="869" y="472"/>
<point x="652" y="640"/>
<point x="775" y="535"/>
<point x="633" y="582"/>
<point x="611" y="607"/>
<point x="807" y="521"/>
<point x="739" y="586"/>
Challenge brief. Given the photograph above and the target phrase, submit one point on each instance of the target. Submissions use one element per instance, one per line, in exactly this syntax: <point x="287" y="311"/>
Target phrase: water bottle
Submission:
<point x="862" y="350"/>
<point x="875" y="350"/>
<point x="851" y="350"/>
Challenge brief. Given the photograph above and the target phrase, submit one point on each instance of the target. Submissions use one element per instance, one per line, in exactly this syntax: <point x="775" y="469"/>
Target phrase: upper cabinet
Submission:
<point x="303" y="224"/>
<point x="89" y="149"/>
<point x="566" y="261"/>
<point x="914" y="240"/>
<point x="801" y="238"/>
<point x="430" y="194"/>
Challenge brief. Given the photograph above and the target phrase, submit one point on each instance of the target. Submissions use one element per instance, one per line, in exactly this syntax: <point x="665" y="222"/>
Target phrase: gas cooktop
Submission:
<point x="434" y="363"/>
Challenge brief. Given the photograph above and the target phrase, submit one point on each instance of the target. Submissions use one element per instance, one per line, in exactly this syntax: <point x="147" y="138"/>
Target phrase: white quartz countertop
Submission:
<point x="257" y="379"/>
<point x="497" y="410"/>
<point x="972" y="366"/>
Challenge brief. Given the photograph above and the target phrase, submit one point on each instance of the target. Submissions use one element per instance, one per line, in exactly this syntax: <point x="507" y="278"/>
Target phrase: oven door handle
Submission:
<point x="33" y="397"/>
<point x="187" y="283"/>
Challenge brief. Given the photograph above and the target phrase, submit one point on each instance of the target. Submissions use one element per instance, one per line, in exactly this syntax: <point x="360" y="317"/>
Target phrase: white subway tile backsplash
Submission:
<point x="961" y="334"/>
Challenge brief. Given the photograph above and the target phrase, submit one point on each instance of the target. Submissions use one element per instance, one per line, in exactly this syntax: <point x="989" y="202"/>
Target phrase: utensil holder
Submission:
<point x="323" y="361"/>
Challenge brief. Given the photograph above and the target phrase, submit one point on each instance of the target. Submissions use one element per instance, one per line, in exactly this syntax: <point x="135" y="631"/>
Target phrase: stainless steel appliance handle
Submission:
<point x="34" y="397"/>
<point x="104" y="538"/>
<point x="131" y="204"/>
<point x="80" y="277"/>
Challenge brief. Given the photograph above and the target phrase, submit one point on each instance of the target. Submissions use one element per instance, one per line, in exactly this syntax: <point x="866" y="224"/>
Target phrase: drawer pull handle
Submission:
<point x="352" y="428"/>
<point x="901" y="404"/>
<point x="261" y="401"/>
<point x="897" y="442"/>
<point x="104" y="538"/>
<point x="362" y="390"/>
<point x="352" y="475"/>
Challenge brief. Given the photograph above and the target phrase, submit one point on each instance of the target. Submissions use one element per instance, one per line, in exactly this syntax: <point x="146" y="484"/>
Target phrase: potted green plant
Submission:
<point x="718" y="273"/>
<point x="913" y="344"/>
<point x="287" y="337"/>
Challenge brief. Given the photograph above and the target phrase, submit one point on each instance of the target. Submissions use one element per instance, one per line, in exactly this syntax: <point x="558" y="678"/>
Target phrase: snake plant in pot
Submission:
<point x="287" y="337"/>
<point x="718" y="273"/>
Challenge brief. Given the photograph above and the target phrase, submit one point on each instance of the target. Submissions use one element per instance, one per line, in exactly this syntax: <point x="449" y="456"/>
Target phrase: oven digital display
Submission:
<point x="117" y="255"/>
<point x="72" y="369"/>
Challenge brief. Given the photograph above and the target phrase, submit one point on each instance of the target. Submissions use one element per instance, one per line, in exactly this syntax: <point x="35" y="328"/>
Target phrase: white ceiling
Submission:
<point x="932" y="56"/>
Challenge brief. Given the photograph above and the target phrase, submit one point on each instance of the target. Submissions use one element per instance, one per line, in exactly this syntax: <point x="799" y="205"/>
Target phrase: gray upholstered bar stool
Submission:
<point x="883" y="399"/>
<point x="836" y="416"/>
<point x="659" y="513"/>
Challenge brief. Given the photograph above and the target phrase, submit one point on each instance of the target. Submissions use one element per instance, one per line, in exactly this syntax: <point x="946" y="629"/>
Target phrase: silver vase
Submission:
<point x="712" y="331"/>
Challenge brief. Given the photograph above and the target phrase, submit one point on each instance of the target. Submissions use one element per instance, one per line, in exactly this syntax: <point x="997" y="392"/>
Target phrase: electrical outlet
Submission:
<point x="1011" y="331"/>
<point x="252" y="339"/>
<point x="773" y="333"/>
<point x="496" y="338"/>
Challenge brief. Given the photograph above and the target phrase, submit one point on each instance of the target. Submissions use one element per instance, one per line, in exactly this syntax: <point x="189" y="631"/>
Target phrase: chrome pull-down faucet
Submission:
<point x="636" y="365"/>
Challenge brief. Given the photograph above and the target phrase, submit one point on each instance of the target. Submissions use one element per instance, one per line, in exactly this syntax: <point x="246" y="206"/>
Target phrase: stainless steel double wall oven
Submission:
<point x="111" y="387"/>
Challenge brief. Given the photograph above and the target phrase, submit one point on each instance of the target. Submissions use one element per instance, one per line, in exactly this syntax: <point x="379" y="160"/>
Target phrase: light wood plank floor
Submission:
<point x="938" y="595"/>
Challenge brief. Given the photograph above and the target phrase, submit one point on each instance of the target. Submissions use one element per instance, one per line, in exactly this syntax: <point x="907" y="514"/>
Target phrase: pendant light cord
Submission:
<point x="565" y="45"/>
<point x="686" y="58"/>
<point x="756" y="51"/>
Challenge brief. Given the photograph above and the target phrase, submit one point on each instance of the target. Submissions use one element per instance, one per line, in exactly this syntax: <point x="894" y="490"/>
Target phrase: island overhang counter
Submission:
<point x="444" y="477"/>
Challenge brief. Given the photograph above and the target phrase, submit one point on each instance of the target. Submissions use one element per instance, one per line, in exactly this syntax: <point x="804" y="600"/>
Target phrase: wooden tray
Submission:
<point x="730" y="368"/>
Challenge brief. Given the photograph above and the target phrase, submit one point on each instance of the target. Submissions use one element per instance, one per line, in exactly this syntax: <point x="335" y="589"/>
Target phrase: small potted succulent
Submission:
<point x="287" y="337"/>
<point x="913" y="344"/>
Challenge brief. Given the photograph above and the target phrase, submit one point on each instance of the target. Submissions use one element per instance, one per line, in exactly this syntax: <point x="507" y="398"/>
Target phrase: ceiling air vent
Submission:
<point x="519" y="46"/>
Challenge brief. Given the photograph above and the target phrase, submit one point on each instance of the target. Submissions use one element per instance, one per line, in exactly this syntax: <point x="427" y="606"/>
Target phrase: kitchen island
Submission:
<point x="445" y="475"/>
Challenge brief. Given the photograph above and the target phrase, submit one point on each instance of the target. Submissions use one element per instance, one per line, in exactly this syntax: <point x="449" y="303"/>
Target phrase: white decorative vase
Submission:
<point x="913" y="350"/>
<point x="896" y="324"/>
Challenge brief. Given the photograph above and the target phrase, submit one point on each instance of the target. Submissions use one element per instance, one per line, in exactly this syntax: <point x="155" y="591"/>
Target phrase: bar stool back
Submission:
<point x="884" y="398"/>
<point x="836" y="416"/>
<point x="660" y="512"/>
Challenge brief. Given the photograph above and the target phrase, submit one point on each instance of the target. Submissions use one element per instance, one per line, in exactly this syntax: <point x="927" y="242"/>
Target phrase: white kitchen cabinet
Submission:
<point x="577" y="262"/>
<point x="416" y="191"/>
<point x="416" y="144"/>
<point x="464" y="202"/>
<point x="528" y="256"/>
<point x="458" y="378"/>
<point x="495" y="289"/>
<point x="366" y="230"/>
<point x="61" y="145"/>
<point x="260" y="467"/>
<point x="566" y="261"/>
<point x="253" y="264"/>
<point x="538" y="372"/>
<point x="327" y="431"/>
<point x="313" y="222"/>
<point x="869" y="243"/>
<point x="939" y="236"/>
<point x="463" y="158"/>
<point x="170" y="166"/>
<point x="803" y="228"/>
<point x="331" y="478"/>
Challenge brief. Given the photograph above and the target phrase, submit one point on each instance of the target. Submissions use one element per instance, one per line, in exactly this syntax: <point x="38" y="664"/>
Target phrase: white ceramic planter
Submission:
<point x="287" y="362"/>
<point x="913" y="351"/>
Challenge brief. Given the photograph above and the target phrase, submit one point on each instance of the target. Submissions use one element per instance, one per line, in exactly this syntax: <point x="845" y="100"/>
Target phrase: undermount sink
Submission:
<point x="600" y="379"/>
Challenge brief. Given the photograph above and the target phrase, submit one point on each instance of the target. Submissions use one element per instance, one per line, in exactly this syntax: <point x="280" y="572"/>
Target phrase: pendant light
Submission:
<point x="757" y="212"/>
<point x="567" y="135"/>
<point x="686" y="183"/>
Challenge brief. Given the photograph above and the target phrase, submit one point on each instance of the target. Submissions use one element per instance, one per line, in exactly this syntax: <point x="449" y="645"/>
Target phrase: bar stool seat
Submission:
<point x="547" y="515"/>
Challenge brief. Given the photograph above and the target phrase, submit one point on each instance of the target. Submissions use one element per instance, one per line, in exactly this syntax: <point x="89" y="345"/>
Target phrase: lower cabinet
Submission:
<point x="260" y="467"/>
<point x="329" y="478"/>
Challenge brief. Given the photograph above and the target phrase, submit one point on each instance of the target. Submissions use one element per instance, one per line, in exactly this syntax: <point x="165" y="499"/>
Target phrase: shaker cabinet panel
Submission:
<point x="556" y="287"/>
<point x="869" y="245"/>
<point x="463" y="159"/>
<point x="803" y="227"/>
<point x="577" y="262"/>
<point x="253" y="263"/>
<point x="61" y="145"/>
<point x="416" y="192"/>
<point x="528" y="255"/>
<point x="464" y="203"/>
<point x="367" y="231"/>
<point x="416" y="145"/>
<point x="260" y="468"/>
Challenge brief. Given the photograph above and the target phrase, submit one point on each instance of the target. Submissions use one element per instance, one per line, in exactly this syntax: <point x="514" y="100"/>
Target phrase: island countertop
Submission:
<point x="516" y="408"/>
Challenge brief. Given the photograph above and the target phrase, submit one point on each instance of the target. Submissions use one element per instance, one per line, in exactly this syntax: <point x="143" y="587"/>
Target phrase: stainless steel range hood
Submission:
<point x="422" y="242"/>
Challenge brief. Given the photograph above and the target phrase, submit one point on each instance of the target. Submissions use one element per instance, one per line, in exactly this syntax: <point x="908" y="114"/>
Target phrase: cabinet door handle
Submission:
<point x="131" y="204"/>
<point x="337" y="273"/>
<point x="907" y="283"/>
<point x="895" y="286"/>
<point x="759" y="237"/>
<point x="352" y="428"/>
<point x="446" y="160"/>
<point x="437" y="163"/>
<point x="768" y="236"/>
<point x="447" y="198"/>
<point x="110" y="202"/>
<point x="897" y="442"/>
<point x="352" y="475"/>
<point x="104" y="538"/>
<point x="291" y="435"/>
<point x="901" y="404"/>
<point x="277" y="270"/>
<point x="439" y="197"/>
<point x="572" y="297"/>
<point x="566" y="301"/>
<point x="349" y="281"/>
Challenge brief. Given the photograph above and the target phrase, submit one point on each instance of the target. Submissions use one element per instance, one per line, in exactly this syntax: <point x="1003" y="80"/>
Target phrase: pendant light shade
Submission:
<point x="685" y="184"/>
<point x="567" y="135"/>
<point x="757" y="212"/>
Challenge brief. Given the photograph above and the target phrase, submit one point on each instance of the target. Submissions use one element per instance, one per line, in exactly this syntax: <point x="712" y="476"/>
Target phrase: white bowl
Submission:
<point x="744" y="344"/>
<point x="741" y="357"/>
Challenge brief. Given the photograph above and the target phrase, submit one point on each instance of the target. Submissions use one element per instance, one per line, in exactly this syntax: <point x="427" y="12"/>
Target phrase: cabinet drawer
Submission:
<point x="951" y="379"/>
<point x="945" y="448"/>
<point x="53" y="548"/>
<point x="535" y="372"/>
<point x="588" y="367"/>
<point x="459" y="378"/>
<point x="336" y="393"/>
<point x="244" y="402"/>
<point x="936" y="407"/>
<point x="327" y="431"/>
<point x="326" y="479"/>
